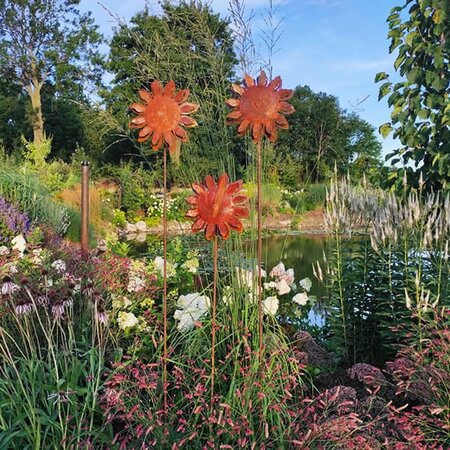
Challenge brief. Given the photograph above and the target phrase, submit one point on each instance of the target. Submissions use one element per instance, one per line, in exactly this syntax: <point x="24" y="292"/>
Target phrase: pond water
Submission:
<point x="298" y="252"/>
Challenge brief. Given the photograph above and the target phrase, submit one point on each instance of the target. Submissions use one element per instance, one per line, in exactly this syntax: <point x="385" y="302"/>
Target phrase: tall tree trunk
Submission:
<point x="34" y="91"/>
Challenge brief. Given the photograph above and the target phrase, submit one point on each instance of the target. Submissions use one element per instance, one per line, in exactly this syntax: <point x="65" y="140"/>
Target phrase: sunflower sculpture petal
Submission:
<point x="218" y="207"/>
<point x="164" y="115"/>
<point x="260" y="108"/>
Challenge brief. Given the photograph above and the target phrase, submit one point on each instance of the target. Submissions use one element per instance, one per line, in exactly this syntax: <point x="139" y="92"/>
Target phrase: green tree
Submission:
<point x="13" y="113"/>
<point x="420" y="117"/>
<point x="193" y="46"/>
<point x="48" y="41"/>
<point x="322" y="135"/>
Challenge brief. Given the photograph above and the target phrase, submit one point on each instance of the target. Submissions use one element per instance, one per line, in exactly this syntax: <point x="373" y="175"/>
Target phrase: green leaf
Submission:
<point x="385" y="130"/>
<point x="423" y="114"/>
<point x="438" y="16"/>
<point x="381" y="76"/>
<point x="384" y="90"/>
<point x="410" y="36"/>
<point x="413" y="75"/>
<point x="440" y="84"/>
<point x="435" y="159"/>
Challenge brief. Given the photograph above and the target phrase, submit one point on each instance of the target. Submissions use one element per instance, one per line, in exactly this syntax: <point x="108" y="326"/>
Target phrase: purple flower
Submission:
<point x="23" y="308"/>
<point x="102" y="317"/>
<point x="12" y="222"/>
<point x="58" y="310"/>
<point x="8" y="287"/>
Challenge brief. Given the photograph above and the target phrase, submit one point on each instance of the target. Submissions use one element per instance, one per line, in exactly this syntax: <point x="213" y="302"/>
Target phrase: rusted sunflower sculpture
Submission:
<point x="163" y="115"/>
<point x="260" y="110"/>
<point x="162" y="119"/>
<point x="217" y="208"/>
<point x="261" y="107"/>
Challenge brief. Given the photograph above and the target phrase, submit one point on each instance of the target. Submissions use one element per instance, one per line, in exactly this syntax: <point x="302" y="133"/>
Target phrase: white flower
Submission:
<point x="135" y="284"/>
<point x="280" y="273"/>
<point x="192" y="308"/>
<point x="59" y="265"/>
<point x="305" y="284"/>
<point x="11" y="267"/>
<point x="37" y="256"/>
<point x="270" y="285"/>
<point x="283" y="287"/>
<point x="301" y="298"/>
<point x="408" y="300"/>
<point x="245" y="277"/>
<point x="158" y="263"/>
<point x="278" y="270"/>
<point x="191" y="265"/>
<point x="270" y="305"/>
<point x="249" y="278"/>
<point x="19" y="243"/>
<point x="288" y="276"/>
<point x="126" y="320"/>
<point x="121" y="302"/>
<point x="4" y="251"/>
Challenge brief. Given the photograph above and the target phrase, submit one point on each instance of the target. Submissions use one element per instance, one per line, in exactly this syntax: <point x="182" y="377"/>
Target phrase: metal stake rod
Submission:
<point x="85" y="210"/>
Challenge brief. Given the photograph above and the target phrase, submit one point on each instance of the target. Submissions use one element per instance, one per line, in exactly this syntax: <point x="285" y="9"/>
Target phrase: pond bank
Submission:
<point x="310" y="222"/>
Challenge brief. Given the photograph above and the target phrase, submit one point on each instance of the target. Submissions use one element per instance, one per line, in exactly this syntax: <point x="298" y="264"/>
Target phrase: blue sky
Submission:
<point x="334" y="46"/>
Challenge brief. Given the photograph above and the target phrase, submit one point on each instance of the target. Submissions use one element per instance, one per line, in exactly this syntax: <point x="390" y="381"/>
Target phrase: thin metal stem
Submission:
<point x="165" y="282"/>
<point x="85" y="210"/>
<point x="213" y="322"/>
<point x="259" y="250"/>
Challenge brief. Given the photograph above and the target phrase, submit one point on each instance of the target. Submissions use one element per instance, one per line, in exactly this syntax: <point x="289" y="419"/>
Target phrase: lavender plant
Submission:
<point x="12" y="222"/>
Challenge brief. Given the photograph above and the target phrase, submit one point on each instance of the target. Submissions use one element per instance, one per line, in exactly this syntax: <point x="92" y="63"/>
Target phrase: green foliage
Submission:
<point x="55" y="34"/>
<point x="51" y="368"/>
<point x="13" y="112"/>
<point x="119" y="219"/>
<point x="25" y="190"/>
<point x="322" y="135"/>
<point x="387" y="281"/>
<point x="191" y="45"/>
<point x="73" y="232"/>
<point x="309" y="198"/>
<point x="420" y="116"/>
<point x="37" y="152"/>
<point x="135" y="183"/>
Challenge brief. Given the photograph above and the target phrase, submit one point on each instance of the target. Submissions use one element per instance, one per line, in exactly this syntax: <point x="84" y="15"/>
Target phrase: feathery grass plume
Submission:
<point x="400" y="251"/>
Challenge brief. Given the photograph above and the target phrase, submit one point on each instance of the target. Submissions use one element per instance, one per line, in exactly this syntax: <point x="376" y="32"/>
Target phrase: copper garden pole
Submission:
<point x="85" y="210"/>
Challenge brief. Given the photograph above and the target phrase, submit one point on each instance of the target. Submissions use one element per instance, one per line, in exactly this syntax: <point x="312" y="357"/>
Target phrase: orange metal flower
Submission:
<point x="261" y="107"/>
<point x="217" y="208"/>
<point x="163" y="115"/>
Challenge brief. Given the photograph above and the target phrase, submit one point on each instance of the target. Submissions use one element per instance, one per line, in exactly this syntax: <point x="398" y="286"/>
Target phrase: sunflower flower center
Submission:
<point x="163" y="114"/>
<point x="259" y="103"/>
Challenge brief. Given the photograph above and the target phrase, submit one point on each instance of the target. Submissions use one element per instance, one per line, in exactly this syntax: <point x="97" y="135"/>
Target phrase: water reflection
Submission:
<point x="300" y="252"/>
